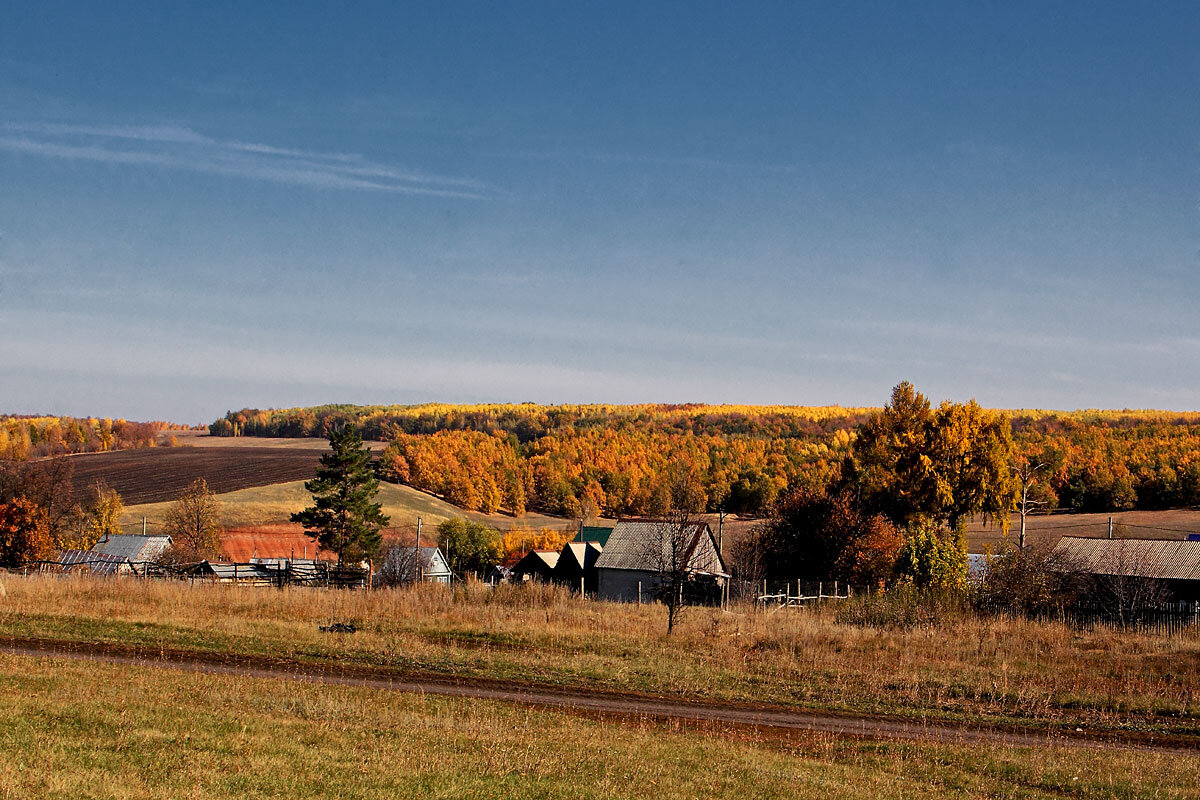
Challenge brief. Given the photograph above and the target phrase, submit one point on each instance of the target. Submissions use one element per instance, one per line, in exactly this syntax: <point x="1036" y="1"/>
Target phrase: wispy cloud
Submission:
<point x="682" y="161"/>
<point x="183" y="148"/>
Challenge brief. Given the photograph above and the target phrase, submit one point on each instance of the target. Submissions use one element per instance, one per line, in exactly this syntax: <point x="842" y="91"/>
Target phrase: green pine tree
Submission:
<point x="344" y="517"/>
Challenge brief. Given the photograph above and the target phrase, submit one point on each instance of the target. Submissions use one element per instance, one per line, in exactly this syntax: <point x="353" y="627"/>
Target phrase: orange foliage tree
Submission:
<point x="24" y="533"/>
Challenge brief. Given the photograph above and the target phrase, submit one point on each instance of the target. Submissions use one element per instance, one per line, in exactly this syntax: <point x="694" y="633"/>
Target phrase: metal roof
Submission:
<point x="134" y="548"/>
<point x="241" y="571"/>
<point x="99" y="563"/>
<point x="593" y="533"/>
<point x="647" y="545"/>
<point x="1166" y="559"/>
<point x="579" y="555"/>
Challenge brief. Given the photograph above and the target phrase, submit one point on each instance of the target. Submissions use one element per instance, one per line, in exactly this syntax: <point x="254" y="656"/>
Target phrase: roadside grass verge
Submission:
<point x="1033" y="674"/>
<point x="71" y="729"/>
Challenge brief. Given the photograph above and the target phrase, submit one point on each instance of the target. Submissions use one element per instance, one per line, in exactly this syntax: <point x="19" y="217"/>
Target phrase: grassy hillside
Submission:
<point x="266" y="505"/>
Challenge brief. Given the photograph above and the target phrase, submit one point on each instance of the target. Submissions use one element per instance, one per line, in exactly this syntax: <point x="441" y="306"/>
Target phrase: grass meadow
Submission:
<point x="1035" y="674"/>
<point x="72" y="729"/>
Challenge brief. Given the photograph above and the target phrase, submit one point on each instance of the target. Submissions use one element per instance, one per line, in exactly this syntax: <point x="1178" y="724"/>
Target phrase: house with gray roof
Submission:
<point x="405" y="564"/>
<point x="1174" y="563"/>
<point x="640" y="552"/>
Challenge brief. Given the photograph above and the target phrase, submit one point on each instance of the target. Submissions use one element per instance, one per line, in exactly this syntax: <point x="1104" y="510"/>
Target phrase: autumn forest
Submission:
<point x="583" y="460"/>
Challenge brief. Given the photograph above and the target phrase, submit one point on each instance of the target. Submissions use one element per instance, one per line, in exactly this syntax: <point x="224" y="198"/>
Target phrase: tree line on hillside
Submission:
<point x="529" y="421"/>
<point x="24" y="438"/>
<point x="578" y="460"/>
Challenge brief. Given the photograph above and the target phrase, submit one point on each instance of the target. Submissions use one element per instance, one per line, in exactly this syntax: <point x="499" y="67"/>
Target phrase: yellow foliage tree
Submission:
<point x="104" y="513"/>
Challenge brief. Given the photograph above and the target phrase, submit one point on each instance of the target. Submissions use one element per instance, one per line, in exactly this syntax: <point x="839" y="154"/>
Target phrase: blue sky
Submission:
<point x="235" y="204"/>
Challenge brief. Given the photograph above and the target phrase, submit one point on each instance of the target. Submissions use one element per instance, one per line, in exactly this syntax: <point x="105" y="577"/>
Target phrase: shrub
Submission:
<point x="1030" y="582"/>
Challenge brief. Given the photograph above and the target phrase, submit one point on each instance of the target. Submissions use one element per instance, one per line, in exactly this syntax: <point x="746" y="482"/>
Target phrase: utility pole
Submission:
<point x="417" y="553"/>
<point x="721" y="532"/>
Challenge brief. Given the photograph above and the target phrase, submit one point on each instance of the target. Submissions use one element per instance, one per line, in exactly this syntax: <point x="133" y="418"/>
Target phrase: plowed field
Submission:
<point x="158" y="474"/>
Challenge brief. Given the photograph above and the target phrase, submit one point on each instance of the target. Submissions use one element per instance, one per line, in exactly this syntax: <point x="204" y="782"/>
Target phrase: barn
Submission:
<point x="631" y="565"/>
<point x="537" y="565"/>
<point x="576" y="566"/>
<point x="134" y="549"/>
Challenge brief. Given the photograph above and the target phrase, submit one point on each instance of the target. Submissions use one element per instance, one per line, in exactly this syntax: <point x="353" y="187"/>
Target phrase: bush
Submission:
<point x="1030" y="582"/>
<point x="933" y="558"/>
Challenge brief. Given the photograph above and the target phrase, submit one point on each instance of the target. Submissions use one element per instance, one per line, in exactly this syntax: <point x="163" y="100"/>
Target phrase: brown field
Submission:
<point x="159" y="474"/>
<point x="202" y="439"/>
<point x="1049" y="528"/>
<point x="283" y="540"/>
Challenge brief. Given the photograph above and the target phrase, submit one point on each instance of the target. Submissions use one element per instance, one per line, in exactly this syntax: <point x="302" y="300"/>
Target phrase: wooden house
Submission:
<point x="639" y="552"/>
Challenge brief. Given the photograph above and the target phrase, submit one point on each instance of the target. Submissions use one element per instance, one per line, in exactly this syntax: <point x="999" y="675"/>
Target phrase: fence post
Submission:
<point x="639" y="593"/>
<point x="820" y="590"/>
<point x="835" y="590"/>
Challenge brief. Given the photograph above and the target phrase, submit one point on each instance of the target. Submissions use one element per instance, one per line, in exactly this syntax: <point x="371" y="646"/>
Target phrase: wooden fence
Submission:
<point x="319" y="573"/>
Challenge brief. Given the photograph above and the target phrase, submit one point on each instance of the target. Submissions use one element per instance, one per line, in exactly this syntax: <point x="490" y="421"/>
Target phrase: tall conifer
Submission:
<point x="344" y="517"/>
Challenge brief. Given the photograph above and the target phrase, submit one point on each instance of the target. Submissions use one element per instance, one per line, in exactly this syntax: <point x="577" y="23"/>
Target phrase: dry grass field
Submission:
<point x="71" y="730"/>
<point x="1041" y="675"/>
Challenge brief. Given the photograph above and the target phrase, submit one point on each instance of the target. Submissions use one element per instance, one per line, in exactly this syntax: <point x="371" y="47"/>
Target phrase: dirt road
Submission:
<point x="765" y="721"/>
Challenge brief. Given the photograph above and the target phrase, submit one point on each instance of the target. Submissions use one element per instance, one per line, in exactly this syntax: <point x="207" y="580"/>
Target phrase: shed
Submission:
<point x="95" y="563"/>
<point x="499" y="574"/>
<point x="537" y="565"/>
<point x="255" y="574"/>
<point x="576" y="562"/>
<point x="131" y="548"/>
<point x="639" y="551"/>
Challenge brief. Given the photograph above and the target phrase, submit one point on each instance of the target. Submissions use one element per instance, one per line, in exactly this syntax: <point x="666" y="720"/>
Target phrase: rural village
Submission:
<point x="606" y="401"/>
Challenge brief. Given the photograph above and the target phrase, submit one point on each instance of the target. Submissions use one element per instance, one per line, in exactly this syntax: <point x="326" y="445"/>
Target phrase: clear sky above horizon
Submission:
<point x="227" y="204"/>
